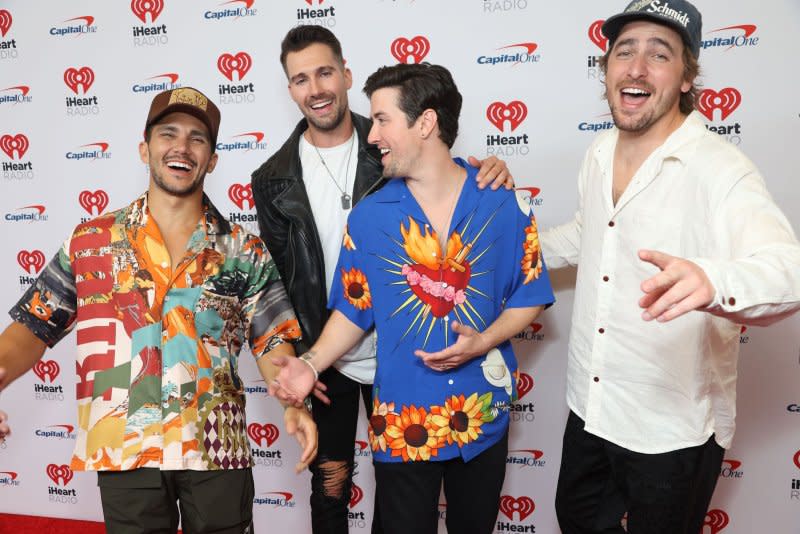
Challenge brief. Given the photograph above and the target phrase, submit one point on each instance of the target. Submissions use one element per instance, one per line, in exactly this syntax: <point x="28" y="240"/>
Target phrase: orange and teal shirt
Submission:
<point x="392" y="274"/>
<point x="158" y="344"/>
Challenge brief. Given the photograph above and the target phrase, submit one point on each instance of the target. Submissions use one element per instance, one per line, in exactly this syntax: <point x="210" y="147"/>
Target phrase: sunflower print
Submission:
<point x="356" y="289"/>
<point x="411" y="434"/>
<point x="378" y="423"/>
<point x="532" y="258"/>
<point x="459" y="420"/>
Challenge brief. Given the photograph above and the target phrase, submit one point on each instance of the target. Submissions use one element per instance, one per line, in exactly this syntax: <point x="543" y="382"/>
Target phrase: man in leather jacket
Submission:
<point x="300" y="217"/>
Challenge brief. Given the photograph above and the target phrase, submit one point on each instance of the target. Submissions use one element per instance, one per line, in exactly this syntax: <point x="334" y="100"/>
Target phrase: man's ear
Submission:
<point x="428" y="122"/>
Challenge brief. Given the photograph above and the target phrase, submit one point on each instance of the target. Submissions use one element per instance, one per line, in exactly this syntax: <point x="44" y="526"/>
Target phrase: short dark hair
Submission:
<point x="691" y="70"/>
<point x="422" y="86"/>
<point x="301" y="37"/>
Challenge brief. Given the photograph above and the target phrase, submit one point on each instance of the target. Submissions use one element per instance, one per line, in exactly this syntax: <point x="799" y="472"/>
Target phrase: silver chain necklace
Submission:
<point x="345" y="198"/>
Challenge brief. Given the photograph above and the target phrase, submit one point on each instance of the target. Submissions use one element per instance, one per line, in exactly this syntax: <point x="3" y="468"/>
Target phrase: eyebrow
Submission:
<point x="379" y="115"/>
<point x="304" y="74"/>
<point x="652" y="40"/>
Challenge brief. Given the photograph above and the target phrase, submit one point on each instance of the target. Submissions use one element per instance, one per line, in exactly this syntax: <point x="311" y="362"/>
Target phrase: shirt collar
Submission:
<point x="215" y="224"/>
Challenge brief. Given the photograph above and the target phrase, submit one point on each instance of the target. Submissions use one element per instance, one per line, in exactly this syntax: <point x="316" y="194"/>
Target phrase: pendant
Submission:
<point x="345" y="201"/>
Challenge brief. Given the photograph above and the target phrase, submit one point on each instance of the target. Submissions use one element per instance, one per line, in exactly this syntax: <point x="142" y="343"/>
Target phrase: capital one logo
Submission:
<point x="716" y="520"/>
<point x="82" y="77"/>
<point x="726" y="100"/>
<point x="241" y="195"/>
<point x="261" y="433"/>
<point x="10" y="144"/>
<point x="411" y="50"/>
<point x="356" y="494"/>
<point x="31" y="261"/>
<point x="524" y="385"/>
<point x="59" y="472"/>
<point x="5" y="22"/>
<point x="48" y="369"/>
<point x="514" y="112"/>
<point x="523" y="506"/>
<point x="239" y="63"/>
<point x="93" y="200"/>
<point x="142" y="8"/>
<point x="596" y="35"/>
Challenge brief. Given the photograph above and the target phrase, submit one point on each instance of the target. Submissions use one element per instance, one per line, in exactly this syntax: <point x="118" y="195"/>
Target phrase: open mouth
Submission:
<point x="322" y="105"/>
<point x="634" y="95"/>
<point x="179" y="166"/>
<point x="385" y="152"/>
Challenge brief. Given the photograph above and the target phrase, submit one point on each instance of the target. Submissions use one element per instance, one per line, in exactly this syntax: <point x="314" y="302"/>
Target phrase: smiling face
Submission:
<point x="178" y="154"/>
<point x="645" y="77"/>
<point x="318" y="84"/>
<point x="399" y="143"/>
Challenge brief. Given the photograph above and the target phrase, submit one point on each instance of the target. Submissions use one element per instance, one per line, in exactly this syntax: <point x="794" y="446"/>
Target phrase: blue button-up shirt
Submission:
<point x="393" y="274"/>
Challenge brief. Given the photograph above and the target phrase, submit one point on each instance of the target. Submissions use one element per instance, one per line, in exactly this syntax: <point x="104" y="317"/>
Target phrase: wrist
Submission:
<point x="307" y="358"/>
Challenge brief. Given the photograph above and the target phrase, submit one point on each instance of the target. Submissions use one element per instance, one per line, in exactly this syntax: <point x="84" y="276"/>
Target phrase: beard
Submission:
<point x="330" y="123"/>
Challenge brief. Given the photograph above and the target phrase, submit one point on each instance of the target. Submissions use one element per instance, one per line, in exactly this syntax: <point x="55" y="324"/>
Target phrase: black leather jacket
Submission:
<point x="287" y="225"/>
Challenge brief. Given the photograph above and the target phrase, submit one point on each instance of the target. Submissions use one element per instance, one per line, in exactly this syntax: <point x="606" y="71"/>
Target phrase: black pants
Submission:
<point x="665" y="493"/>
<point x="408" y="493"/>
<point x="143" y="501"/>
<point x="332" y="471"/>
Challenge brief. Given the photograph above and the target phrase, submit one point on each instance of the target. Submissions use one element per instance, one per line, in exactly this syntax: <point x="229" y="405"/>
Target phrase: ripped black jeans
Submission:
<point x="332" y="471"/>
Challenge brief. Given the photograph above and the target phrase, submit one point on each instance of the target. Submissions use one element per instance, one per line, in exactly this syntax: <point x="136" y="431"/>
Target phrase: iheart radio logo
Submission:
<point x="524" y="385"/>
<point x="726" y="100"/>
<point x="142" y="8"/>
<point x="48" y="369"/>
<point x="356" y="494"/>
<point x="797" y="459"/>
<point x="32" y="262"/>
<point x="410" y="51"/>
<point x="241" y="195"/>
<point x="524" y="506"/>
<point x="596" y="35"/>
<point x="260" y="433"/>
<point x="716" y="520"/>
<point x="83" y="77"/>
<point x="91" y="200"/>
<point x="311" y="2"/>
<point x="239" y="63"/>
<point x="5" y="22"/>
<point x="59" y="472"/>
<point x="514" y="112"/>
<point x="18" y="143"/>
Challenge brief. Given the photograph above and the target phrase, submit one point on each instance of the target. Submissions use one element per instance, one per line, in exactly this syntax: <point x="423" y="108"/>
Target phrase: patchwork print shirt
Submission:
<point x="158" y="344"/>
<point x="393" y="274"/>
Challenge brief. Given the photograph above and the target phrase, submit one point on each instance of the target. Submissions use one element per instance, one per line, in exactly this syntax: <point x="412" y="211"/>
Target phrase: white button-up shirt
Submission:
<point x="655" y="387"/>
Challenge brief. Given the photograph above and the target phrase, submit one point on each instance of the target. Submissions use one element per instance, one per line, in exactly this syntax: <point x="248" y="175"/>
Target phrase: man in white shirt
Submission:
<point x="678" y="243"/>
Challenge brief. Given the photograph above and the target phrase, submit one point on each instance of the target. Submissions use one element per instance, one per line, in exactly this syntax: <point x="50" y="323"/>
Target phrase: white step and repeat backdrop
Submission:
<point x="76" y="79"/>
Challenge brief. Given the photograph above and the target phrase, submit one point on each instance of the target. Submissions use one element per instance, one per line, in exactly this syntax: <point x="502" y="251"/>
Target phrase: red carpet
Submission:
<point x="28" y="524"/>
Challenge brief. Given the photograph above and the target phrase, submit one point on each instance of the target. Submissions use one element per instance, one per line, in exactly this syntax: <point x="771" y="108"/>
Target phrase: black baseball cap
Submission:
<point x="679" y="15"/>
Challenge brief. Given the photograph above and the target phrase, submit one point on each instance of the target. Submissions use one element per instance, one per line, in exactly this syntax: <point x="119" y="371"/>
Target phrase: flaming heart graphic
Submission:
<point x="19" y="144"/>
<point x="596" y="35"/>
<point x="93" y="199"/>
<point x="514" y="112"/>
<point x="32" y="262"/>
<point x="59" y="472"/>
<point x="5" y="21"/>
<point x="83" y="77"/>
<point x="46" y="369"/>
<point x="524" y="385"/>
<point x="260" y="433"/>
<point x="240" y="63"/>
<point x="716" y="520"/>
<point x="726" y="100"/>
<point x="524" y="506"/>
<point x="141" y="8"/>
<point x="410" y="51"/>
<point x="356" y="494"/>
<point x="241" y="195"/>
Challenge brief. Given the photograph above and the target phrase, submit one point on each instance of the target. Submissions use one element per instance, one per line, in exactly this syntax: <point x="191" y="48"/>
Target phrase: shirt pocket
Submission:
<point x="216" y="313"/>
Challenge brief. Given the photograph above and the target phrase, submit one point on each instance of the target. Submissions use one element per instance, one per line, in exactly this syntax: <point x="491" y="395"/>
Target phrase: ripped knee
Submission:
<point x="335" y="478"/>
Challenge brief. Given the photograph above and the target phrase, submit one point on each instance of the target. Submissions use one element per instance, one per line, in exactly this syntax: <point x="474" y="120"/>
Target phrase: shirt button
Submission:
<point x="605" y="279"/>
<point x="611" y="223"/>
<point x="731" y="301"/>
<point x="597" y="379"/>
<point x="450" y="381"/>
<point x="164" y="265"/>
<point x="601" y="330"/>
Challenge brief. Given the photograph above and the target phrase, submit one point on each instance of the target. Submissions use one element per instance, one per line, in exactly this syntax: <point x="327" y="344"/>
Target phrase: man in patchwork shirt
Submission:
<point x="162" y="294"/>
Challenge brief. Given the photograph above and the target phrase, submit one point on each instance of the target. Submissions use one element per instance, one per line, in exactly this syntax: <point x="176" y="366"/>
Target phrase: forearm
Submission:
<point x="510" y="322"/>
<point x="19" y="352"/>
<point x="338" y="336"/>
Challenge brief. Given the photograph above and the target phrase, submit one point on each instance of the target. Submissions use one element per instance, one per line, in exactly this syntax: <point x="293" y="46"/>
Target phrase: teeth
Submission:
<point x="634" y="91"/>
<point x="178" y="165"/>
<point x="385" y="151"/>
<point x="320" y="105"/>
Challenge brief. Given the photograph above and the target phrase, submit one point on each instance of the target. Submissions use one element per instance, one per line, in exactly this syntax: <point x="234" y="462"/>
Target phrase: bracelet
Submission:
<point x="306" y="357"/>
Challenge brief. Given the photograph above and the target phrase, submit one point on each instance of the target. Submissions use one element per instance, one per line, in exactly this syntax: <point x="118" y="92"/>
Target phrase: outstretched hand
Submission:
<point x="680" y="287"/>
<point x="470" y="343"/>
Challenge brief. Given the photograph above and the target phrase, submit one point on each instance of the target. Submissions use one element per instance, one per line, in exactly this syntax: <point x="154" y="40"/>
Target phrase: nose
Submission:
<point x="373" y="136"/>
<point x="637" y="68"/>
